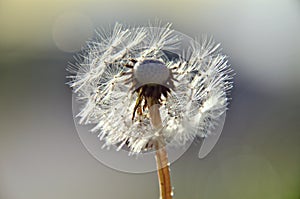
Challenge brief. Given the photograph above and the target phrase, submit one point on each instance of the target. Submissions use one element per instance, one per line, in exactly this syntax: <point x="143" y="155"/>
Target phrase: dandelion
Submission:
<point x="142" y="89"/>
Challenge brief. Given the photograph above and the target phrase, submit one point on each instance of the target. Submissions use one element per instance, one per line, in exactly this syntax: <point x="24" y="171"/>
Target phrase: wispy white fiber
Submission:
<point x="202" y="80"/>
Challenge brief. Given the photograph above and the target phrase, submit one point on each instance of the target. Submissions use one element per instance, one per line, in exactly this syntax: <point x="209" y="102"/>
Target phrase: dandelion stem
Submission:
<point x="163" y="172"/>
<point x="161" y="156"/>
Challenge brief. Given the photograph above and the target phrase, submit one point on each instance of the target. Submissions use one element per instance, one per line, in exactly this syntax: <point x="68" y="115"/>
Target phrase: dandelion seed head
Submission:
<point x="118" y="74"/>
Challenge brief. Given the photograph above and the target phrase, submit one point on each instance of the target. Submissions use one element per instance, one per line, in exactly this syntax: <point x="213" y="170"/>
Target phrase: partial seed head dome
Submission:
<point x="151" y="71"/>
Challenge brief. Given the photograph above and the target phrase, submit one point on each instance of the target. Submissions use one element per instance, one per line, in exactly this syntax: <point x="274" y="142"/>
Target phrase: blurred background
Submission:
<point x="257" y="156"/>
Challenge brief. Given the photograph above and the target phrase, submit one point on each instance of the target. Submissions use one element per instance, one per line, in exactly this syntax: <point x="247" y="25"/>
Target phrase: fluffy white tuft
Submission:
<point x="199" y="96"/>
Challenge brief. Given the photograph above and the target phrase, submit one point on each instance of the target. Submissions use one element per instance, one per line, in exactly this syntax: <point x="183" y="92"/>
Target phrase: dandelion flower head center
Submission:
<point x="151" y="71"/>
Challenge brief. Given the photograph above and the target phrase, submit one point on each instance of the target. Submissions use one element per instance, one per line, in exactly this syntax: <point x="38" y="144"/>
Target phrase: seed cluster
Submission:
<point x="149" y="92"/>
<point x="127" y="70"/>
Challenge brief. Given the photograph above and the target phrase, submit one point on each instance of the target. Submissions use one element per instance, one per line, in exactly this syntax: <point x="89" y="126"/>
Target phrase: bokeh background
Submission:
<point x="257" y="156"/>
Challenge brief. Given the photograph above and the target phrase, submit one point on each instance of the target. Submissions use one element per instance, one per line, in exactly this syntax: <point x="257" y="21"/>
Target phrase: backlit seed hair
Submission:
<point x="126" y="70"/>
